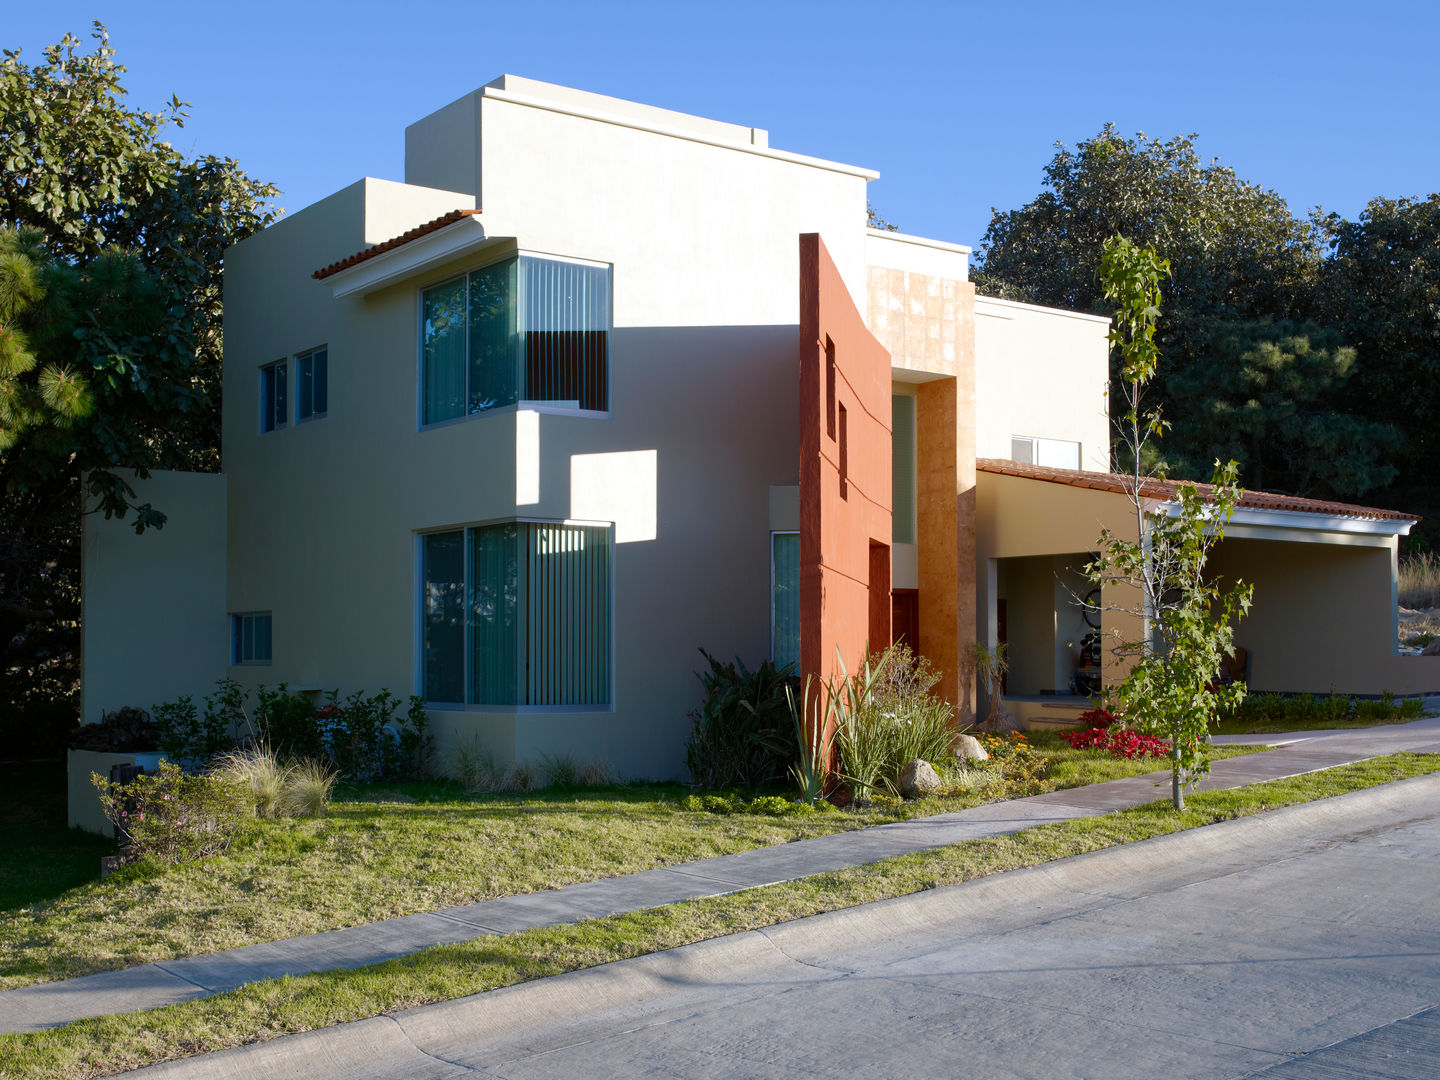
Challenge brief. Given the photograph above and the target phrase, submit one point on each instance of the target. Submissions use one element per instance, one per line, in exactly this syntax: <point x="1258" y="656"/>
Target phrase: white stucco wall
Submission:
<point x="1042" y="373"/>
<point x="703" y="239"/>
<point x="154" y="625"/>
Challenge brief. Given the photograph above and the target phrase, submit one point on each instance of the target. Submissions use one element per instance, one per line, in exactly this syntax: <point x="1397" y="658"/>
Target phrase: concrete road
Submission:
<point x="1305" y="942"/>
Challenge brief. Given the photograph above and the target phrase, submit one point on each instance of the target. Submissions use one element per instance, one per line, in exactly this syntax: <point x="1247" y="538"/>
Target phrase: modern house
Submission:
<point x="601" y="384"/>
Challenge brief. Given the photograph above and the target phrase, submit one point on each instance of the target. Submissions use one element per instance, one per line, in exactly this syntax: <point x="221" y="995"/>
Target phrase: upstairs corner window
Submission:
<point x="517" y="614"/>
<point x="274" y="393"/>
<point x="1055" y="453"/>
<point x="250" y="638"/>
<point x="525" y="330"/>
<point x="312" y="378"/>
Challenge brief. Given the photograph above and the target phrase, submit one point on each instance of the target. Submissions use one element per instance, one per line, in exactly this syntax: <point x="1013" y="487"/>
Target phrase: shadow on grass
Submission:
<point x="40" y="858"/>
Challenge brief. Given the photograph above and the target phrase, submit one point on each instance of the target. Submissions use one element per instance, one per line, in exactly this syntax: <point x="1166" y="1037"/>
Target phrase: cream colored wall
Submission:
<point x="324" y="515"/>
<point x="1022" y="519"/>
<point x="699" y="234"/>
<point x="1323" y="615"/>
<point x="1040" y="372"/>
<point x="154" y="625"/>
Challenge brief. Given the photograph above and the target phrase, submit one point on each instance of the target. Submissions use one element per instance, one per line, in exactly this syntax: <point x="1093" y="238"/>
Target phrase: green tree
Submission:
<point x="1381" y="289"/>
<point x="1243" y="270"/>
<point x="1274" y="396"/>
<point x="1187" y="620"/>
<point x="113" y="262"/>
<point x="1234" y="248"/>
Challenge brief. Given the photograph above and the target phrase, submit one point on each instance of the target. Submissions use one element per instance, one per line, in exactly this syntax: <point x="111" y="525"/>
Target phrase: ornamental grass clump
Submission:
<point x="884" y="717"/>
<point x="307" y="788"/>
<point x="277" y="789"/>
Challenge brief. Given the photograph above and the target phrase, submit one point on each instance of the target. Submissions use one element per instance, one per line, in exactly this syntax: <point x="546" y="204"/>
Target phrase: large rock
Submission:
<point x="1433" y="649"/>
<point x="968" y="748"/>
<point x="918" y="779"/>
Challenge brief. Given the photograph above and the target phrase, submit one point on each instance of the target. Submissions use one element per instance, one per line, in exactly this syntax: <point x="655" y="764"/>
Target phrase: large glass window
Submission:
<point x="785" y="599"/>
<point x="517" y="614"/>
<point x="902" y="459"/>
<point x="527" y="329"/>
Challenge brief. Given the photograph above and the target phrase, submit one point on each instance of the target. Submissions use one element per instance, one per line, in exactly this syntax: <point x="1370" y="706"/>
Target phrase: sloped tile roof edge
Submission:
<point x="390" y="245"/>
<point x="1167" y="489"/>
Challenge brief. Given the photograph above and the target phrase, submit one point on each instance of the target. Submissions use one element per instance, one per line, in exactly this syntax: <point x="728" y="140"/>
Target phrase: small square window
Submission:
<point x="274" y="395"/>
<point x="250" y="638"/>
<point x="312" y="377"/>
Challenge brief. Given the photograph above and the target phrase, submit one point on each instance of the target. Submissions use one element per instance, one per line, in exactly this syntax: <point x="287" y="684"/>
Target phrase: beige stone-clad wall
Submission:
<point x="921" y="308"/>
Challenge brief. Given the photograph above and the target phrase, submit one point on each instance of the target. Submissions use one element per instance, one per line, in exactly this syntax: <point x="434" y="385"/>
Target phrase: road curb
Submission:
<point x="419" y="1040"/>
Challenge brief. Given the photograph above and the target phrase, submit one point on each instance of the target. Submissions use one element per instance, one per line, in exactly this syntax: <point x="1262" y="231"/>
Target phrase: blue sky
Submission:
<point x="957" y="105"/>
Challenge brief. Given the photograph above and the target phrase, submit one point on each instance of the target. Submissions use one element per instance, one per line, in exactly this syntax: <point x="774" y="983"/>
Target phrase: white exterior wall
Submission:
<point x="1043" y="373"/>
<point x="154" y="625"/>
<point x="324" y="515"/>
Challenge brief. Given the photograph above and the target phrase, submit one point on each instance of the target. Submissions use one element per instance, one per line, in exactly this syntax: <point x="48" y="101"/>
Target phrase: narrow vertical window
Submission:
<point x="830" y="388"/>
<point x="844" y="456"/>
<point x="442" y="347"/>
<point x="785" y="598"/>
<point x="312" y="376"/>
<point x="442" y="602"/>
<point x="902" y="462"/>
<point x="274" y="387"/>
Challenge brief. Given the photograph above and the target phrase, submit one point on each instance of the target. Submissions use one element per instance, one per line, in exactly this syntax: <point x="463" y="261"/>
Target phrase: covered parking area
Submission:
<point x="1324" y="574"/>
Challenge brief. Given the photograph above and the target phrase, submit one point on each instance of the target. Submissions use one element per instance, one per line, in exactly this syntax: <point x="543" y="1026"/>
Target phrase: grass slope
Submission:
<point x="265" y="1010"/>
<point x="380" y="854"/>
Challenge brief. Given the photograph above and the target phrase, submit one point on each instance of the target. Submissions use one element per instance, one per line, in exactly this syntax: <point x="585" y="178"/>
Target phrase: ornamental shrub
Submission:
<point x="1118" y="742"/>
<point x="743" y="735"/>
<point x="173" y="817"/>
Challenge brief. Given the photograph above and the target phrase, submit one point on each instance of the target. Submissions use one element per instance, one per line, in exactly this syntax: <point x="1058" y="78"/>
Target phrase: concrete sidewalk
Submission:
<point x="153" y="985"/>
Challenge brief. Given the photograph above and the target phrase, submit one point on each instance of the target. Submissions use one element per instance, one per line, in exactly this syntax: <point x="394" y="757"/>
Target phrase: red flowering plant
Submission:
<point x="1119" y="742"/>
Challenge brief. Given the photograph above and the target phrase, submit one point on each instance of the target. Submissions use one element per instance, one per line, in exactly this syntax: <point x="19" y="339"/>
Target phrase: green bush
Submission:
<point x="1299" y="711"/>
<point x="761" y="805"/>
<point x="360" y="738"/>
<point x="743" y="735"/>
<point x="174" y="817"/>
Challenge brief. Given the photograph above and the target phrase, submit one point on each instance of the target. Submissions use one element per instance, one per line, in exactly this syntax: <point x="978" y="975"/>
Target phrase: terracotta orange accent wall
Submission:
<point x="844" y="474"/>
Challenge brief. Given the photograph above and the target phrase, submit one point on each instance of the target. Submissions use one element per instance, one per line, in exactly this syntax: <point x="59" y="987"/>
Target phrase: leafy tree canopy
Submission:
<point x="1272" y="395"/>
<point x="1381" y="289"/>
<point x="1234" y="248"/>
<point x="111" y="255"/>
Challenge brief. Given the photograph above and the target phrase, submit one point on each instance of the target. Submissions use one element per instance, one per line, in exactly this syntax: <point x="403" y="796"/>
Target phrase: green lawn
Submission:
<point x="380" y="852"/>
<point x="267" y="1009"/>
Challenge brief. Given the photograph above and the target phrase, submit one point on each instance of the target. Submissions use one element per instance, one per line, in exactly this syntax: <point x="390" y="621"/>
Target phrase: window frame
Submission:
<point x="274" y="375"/>
<point x="466" y="676"/>
<point x="527" y="405"/>
<point x="1035" y="442"/>
<point x="238" y="620"/>
<point x="298" y="359"/>
<point x="773" y="658"/>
